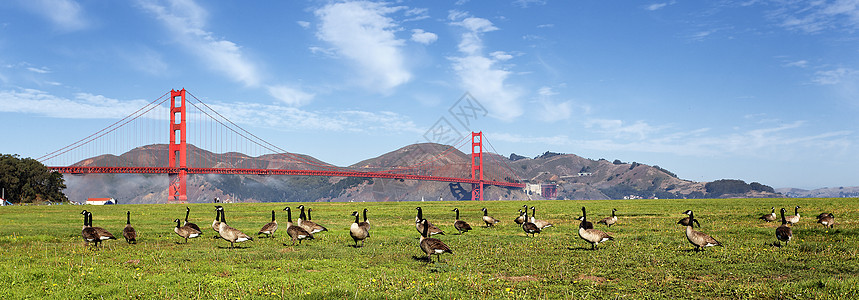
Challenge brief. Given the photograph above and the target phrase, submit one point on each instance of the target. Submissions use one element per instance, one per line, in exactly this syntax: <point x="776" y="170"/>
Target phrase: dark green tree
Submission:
<point x="27" y="181"/>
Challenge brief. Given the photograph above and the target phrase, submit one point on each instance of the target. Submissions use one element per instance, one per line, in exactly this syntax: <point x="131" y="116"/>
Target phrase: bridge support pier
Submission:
<point x="177" y="158"/>
<point x="477" y="165"/>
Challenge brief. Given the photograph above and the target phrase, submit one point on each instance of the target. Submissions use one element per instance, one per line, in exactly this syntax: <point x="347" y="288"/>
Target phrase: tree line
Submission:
<point x="29" y="181"/>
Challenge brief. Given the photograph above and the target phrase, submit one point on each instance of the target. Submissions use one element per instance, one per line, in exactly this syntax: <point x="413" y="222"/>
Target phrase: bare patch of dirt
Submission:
<point x="595" y="279"/>
<point x="519" y="278"/>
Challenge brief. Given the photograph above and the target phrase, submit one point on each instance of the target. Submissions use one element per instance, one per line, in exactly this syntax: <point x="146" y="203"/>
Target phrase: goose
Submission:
<point x="460" y="225"/>
<point x="189" y="224"/>
<point x="795" y="217"/>
<point x="88" y="233"/>
<point x="826" y="219"/>
<point x="490" y="221"/>
<point x="697" y="238"/>
<point x="420" y="225"/>
<point x="128" y="232"/>
<point x="365" y="223"/>
<point x="307" y="224"/>
<point x="295" y="232"/>
<point x="530" y="227"/>
<point x="103" y="234"/>
<point x="186" y="231"/>
<point x="521" y="218"/>
<point x="430" y="245"/>
<point x="770" y="216"/>
<point x="783" y="233"/>
<point x="608" y="221"/>
<point x="229" y="233"/>
<point x="270" y="227"/>
<point x="359" y="230"/>
<point x="687" y="220"/>
<point x="540" y="223"/>
<point x="216" y="224"/>
<point x="590" y="235"/>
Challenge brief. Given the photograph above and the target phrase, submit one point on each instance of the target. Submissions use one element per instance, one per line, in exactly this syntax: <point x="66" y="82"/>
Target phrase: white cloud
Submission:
<point x="303" y="24"/>
<point x="798" y="63"/>
<point x="423" y="37"/>
<point x="546" y="91"/>
<point x="619" y="129"/>
<point x="479" y="74"/>
<point x="819" y="16"/>
<point x="501" y="55"/>
<point x="528" y="3"/>
<point x="656" y="6"/>
<point x="555" y="111"/>
<point x="290" y="96"/>
<point x="837" y="76"/>
<point x="66" y="15"/>
<point x="42" y="70"/>
<point x="361" y="32"/>
<point x="82" y="106"/>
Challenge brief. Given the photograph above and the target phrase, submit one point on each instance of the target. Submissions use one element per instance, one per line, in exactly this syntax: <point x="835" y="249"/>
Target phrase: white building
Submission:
<point x="100" y="201"/>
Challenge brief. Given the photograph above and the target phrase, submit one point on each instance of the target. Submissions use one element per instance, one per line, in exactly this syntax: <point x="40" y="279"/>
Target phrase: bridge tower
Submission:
<point x="477" y="165"/>
<point x="177" y="158"/>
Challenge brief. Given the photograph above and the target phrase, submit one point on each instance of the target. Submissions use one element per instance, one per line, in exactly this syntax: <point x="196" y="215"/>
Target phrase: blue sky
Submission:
<point x="755" y="90"/>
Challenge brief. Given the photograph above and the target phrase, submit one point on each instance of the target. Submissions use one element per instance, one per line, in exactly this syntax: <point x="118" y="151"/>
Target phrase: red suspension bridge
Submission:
<point x="213" y="131"/>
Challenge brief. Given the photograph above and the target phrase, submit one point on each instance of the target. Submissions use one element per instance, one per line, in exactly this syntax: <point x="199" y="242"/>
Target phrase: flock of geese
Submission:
<point x="305" y="228"/>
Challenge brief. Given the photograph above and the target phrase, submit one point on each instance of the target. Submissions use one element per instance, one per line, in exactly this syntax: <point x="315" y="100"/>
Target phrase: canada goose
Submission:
<point x="460" y="225"/>
<point x="186" y="231"/>
<point x="189" y="224"/>
<point x="103" y="234"/>
<point x="795" y="217"/>
<point x="270" y="227"/>
<point x="540" y="223"/>
<point x="529" y="227"/>
<point x="308" y="225"/>
<point x="687" y="220"/>
<point x="432" y="245"/>
<point x="490" y="221"/>
<point x="365" y="223"/>
<point x="229" y="233"/>
<point x="420" y="225"/>
<point x="697" y="238"/>
<point x="520" y="219"/>
<point x="770" y="216"/>
<point x="128" y="232"/>
<point x="295" y="232"/>
<point x="590" y="235"/>
<point x="826" y="219"/>
<point x="608" y="221"/>
<point x="359" y="232"/>
<point x="216" y="224"/>
<point x="88" y="233"/>
<point x="783" y="233"/>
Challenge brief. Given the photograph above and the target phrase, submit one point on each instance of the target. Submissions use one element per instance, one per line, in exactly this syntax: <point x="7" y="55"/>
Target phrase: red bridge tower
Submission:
<point x="477" y="165"/>
<point x="177" y="160"/>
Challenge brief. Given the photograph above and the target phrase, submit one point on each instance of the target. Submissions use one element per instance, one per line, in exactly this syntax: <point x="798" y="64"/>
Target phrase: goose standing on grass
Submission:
<point x="216" y="224"/>
<point x="783" y="233"/>
<point x="490" y="221"/>
<point x="795" y="217"/>
<point x="270" y="227"/>
<point x="186" y="231"/>
<point x="365" y="223"/>
<point x="460" y="225"/>
<point x="608" y="221"/>
<point x="688" y="220"/>
<point x="590" y="235"/>
<point x="540" y="223"/>
<point x="529" y="227"/>
<point x="697" y="238"/>
<point x="432" y="230"/>
<point x="430" y="245"/>
<point x="88" y="233"/>
<point x="229" y="233"/>
<point x="359" y="230"/>
<point x="128" y="232"/>
<point x="770" y="216"/>
<point x="826" y="219"/>
<point x="103" y="234"/>
<point x="521" y="218"/>
<point x="189" y="224"/>
<point x="310" y="226"/>
<point x="295" y="232"/>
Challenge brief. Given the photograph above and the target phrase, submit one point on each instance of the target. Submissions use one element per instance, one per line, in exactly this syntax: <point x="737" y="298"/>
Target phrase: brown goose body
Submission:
<point x="699" y="239"/>
<point x="216" y="224"/>
<point x="186" y="231"/>
<point x="589" y="234"/>
<point x="783" y="233"/>
<point x="608" y="221"/>
<point x="307" y="224"/>
<point x="489" y="221"/>
<point x="460" y="225"/>
<point x="128" y="232"/>
<point x="365" y="224"/>
<point x="530" y="228"/>
<point x="103" y="234"/>
<point x="419" y="225"/>
<point x="231" y="234"/>
<point x="295" y="232"/>
<point x="189" y="224"/>
<point x="432" y="246"/>
<point x="795" y="217"/>
<point x="88" y="233"/>
<point x="543" y="224"/>
<point x="826" y="219"/>
<point x="359" y="232"/>
<point x="270" y="227"/>
<point x="770" y="216"/>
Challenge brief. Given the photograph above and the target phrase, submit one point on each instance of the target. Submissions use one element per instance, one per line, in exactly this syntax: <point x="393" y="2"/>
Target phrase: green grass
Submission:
<point x="44" y="255"/>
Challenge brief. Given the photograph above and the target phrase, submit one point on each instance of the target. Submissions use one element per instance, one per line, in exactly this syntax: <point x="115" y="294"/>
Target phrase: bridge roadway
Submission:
<point x="237" y="171"/>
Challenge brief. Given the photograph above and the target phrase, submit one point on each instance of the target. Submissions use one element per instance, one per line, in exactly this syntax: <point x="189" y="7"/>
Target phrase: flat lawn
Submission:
<point x="44" y="255"/>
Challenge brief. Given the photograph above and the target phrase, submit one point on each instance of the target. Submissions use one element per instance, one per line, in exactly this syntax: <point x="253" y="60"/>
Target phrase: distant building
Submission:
<point x="3" y="202"/>
<point x="583" y="174"/>
<point x="548" y="191"/>
<point x="100" y="201"/>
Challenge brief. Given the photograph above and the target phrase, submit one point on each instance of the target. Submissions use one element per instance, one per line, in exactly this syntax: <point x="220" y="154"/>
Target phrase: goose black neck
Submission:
<point x="533" y="212"/>
<point x="272" y="216"/>
<point x="485" y="212"/>
<point x="187" y="212"/>
<point x="783" y="220"/>
<point x="302" y="215"/>
<point x="289" y="215"/>
<point x="420" y="214"/>
<point x="128" y="218"/>
<point x="85" y="220"/>
<point x="356" y="216"/>
<point x="177" y="223"/>
<point x="89" y="219"/>
<point x="223" y="216"/>
<point x="584" y="214"/>
<point x="796" y="210"/>
<point x="612" y="212"/>
<point x="365" y="215"/>
<point x="308" y="214"/>
<point x="426" y="228"/>
<point x="457" y="213"/>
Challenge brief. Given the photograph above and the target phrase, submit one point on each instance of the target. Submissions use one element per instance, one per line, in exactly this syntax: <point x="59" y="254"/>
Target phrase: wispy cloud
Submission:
<point x="818" y="16"/>
<point x="836" y="76"/>
<point x="656" y="6"/>
<point x="423" y="37"/>
<point x="289" y="95"/>
<point x="66" y="15"/>
<point x="480" y="74"/>
<point x="528" y="3"/>
<point x="363" y="33"/>
<point x="82" y="106"/>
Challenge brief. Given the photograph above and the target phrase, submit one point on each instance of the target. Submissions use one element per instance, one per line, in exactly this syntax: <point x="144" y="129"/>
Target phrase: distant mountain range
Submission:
<point x="827" y="192"/>
<point x="574" y="176"/>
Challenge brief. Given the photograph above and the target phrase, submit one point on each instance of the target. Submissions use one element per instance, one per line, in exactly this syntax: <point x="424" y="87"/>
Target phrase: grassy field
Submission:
<point x="44" y="255"/>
